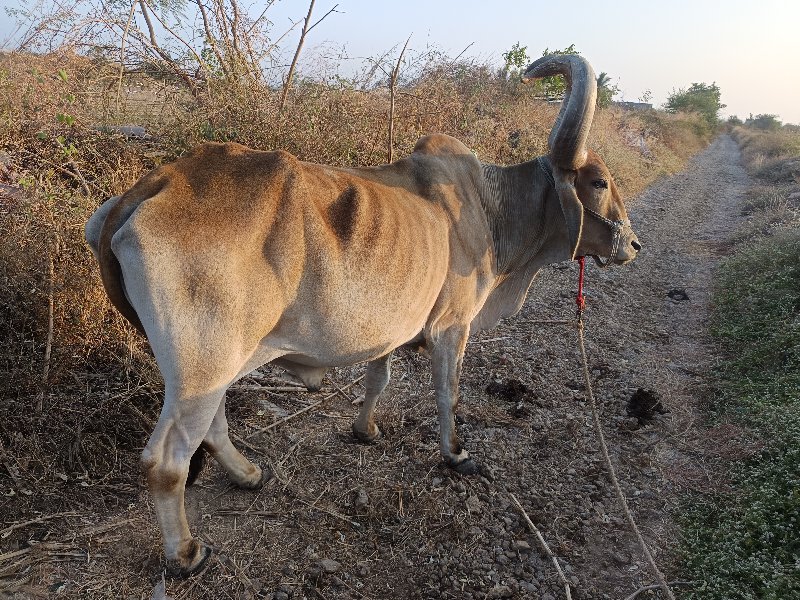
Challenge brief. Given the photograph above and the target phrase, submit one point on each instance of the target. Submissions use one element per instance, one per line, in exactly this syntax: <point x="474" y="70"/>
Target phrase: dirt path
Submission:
<point x="343" y="520"/>
<point x="650" y="326"/>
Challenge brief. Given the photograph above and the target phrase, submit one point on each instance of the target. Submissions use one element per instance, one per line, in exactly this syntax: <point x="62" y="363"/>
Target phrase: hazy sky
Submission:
<point x="750" y="49"/>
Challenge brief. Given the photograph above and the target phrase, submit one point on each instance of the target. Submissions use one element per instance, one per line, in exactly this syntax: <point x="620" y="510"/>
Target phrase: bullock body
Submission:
<point x="230" y="258"/>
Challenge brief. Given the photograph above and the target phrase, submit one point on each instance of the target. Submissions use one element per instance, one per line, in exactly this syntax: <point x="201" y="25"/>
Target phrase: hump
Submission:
<point x="235" y="159"/>
<point x="440" y="144"/>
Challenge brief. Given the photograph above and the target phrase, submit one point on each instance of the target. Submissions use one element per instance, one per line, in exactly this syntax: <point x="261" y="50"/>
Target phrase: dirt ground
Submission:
<point x="346" y="520"/>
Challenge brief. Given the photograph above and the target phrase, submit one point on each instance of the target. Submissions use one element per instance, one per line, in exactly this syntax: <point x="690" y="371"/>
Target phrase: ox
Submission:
<point x="231" y="258"/>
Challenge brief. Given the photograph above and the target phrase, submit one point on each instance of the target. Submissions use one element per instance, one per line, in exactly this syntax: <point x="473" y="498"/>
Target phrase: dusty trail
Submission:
<point x="661" y="343"/>
<point x="343" y="520"/>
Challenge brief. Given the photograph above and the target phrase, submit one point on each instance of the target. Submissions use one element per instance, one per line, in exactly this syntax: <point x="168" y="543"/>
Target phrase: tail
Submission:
<point x="100" y="230"/>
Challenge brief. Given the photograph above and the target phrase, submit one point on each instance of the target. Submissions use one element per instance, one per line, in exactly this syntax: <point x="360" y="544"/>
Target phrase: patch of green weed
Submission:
<point x="746" y="545"/>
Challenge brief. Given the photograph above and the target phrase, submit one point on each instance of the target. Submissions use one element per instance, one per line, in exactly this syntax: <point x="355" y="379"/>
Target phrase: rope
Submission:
<point x="662" y="582"/>
<point x="580" y="300"/>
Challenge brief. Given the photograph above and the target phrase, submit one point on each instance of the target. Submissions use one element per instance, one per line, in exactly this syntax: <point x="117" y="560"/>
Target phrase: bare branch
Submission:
<point x="188" y="46"/>
<point x="212" y="42"/>
<point x="392" y="89"/>
<point x="261" y="16"/>
<point x="160" y="52"/>
<point x="333" y="10"/>
<point x="122" y="52"/>
<point x="289" y="76"/>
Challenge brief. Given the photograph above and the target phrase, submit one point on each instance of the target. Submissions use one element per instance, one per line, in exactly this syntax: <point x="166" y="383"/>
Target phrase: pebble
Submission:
<point x="474" y="505"/>
<point x="520" y="545"/>
<point x="362" y="498"/>
<point x="500" y="591"/>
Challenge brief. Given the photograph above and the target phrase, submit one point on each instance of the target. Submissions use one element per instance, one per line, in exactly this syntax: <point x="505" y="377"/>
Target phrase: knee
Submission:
<point x="160" y="475"/>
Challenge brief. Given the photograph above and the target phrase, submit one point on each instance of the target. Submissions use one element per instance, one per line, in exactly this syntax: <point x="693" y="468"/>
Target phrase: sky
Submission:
<point x="751" y="50"/>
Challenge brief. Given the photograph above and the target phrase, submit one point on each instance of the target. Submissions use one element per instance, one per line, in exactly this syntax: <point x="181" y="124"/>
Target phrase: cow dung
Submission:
<point x="512" y="390"/>
<point x="644" y="404"/>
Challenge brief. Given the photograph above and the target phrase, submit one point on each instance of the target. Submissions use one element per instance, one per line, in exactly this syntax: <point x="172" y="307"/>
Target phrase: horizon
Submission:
<point x="753" y="56"/>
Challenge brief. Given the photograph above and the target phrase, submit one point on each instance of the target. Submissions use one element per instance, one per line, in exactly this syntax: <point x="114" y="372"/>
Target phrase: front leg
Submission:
<point x="378" y="373"/>
<point x="447" y="353"/>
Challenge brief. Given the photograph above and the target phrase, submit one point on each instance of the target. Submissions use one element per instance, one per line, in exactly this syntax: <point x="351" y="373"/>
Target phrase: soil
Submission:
<point x="346" y="520"/>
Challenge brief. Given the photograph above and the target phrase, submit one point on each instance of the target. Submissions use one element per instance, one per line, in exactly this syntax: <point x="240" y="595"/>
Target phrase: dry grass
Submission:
<point x="772" y="156"/>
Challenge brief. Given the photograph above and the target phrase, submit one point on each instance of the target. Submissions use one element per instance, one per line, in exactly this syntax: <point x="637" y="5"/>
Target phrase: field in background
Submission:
<point x="744" y="543"/>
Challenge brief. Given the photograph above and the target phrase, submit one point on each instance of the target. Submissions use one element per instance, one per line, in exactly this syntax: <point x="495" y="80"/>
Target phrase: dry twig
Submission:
<point x="49" y="343"/>
<point x="304" y="409"/>
<point x="303" y="34"/>
<point x="4" y="533"/>
<point x="656" y="586"/>
<point x="544" y="545"/>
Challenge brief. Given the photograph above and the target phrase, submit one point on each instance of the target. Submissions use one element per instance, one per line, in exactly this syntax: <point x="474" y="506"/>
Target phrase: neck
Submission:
<point x="524" y="215"/>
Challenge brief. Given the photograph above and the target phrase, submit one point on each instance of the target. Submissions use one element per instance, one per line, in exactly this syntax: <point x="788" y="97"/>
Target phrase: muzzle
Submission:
<point x="617" y="227"/>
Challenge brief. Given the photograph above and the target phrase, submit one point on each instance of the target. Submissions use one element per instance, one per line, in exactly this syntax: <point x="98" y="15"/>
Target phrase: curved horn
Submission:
<point x="567" y="141"/>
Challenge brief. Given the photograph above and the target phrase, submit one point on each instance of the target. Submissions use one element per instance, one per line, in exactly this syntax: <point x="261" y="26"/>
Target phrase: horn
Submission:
<point x="567" y="141"/>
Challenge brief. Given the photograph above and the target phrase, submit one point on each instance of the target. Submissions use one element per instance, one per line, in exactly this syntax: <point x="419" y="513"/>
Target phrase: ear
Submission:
<point x="570" y="205"/>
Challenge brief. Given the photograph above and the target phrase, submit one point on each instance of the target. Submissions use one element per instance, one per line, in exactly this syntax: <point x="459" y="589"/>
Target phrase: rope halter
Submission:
<point x="617" y="227"/>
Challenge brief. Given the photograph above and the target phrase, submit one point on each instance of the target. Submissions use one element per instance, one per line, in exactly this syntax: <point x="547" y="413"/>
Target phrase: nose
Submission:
<point x="636" y="245"/>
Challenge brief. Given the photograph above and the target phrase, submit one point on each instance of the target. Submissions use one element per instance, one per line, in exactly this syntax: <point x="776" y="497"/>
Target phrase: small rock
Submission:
<point x="362" y="498"/>
<point x="500" y="591"/>
<point x="474" y="504"/>
<point x="328" y="565"/>
<point x="520" y="545"/>
<point x="281" y="596"/>
<point x="286" y="589"/>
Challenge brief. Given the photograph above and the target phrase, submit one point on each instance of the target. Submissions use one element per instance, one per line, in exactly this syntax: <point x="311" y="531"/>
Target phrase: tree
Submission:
<point x="765" y="122"/>
<point x="605" y="91"/>
<point x="516" y="60"/>
<point x="733" y="120"/>
<point x="700" y="98"/>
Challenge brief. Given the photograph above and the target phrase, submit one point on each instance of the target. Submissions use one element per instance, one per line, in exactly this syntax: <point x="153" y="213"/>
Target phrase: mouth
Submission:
<point x="601" y="262"/>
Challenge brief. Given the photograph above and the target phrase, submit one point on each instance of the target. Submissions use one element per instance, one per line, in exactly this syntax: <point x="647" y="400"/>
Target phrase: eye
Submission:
<point x="600" y="184"/>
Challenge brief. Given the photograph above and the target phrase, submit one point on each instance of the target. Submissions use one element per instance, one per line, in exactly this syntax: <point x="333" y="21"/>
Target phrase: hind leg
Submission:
<point x="240" y="470"/>
<point x="184" y="421"/>
<point x="378" y="372"/>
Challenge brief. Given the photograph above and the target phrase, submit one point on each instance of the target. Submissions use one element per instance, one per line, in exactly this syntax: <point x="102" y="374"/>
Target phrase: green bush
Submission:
<point x="700" y="98"/>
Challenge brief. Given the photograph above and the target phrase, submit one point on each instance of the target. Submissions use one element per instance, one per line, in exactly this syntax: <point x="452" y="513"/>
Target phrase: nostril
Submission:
<point x="636" y="245"/>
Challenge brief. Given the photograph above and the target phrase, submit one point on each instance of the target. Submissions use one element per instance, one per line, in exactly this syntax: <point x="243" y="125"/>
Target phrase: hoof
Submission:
<point x="365" y="437"/>
<point x="266" y="475"/>
<point x="465" y="467"/>
<point x="177" y="571"/>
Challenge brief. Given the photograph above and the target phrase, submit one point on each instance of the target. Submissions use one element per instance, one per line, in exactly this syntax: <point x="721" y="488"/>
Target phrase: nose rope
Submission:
<point x="580" y="299"/>
<point x="617" y="227"/>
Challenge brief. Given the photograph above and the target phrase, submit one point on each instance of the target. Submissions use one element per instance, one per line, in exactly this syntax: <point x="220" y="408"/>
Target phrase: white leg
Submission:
<point x="447" y="352"/>
<point x="378" y="373"/>
<point x="184" y="421"/>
